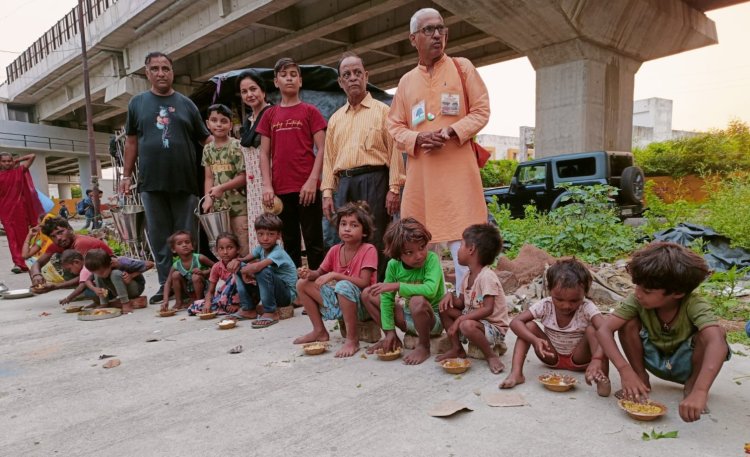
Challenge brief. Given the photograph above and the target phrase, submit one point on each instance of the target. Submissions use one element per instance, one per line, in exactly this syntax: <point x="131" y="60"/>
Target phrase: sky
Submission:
<point x="708" y="86"/>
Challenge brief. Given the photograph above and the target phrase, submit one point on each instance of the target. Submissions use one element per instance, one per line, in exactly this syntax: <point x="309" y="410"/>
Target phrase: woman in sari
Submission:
<point x="20" y="208"/>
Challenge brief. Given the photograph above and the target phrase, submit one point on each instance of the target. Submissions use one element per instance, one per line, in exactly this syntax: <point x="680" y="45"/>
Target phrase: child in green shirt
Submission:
<point x="416" y="274"/>
<point x="666" y="328"/>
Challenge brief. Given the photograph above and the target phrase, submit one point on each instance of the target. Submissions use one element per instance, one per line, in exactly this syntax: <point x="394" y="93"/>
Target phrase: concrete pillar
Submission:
<point x="84" y="171"/>
<point x="38" y="171"/>
<point x="64" y="190"/>
<point x="584" y="99"/>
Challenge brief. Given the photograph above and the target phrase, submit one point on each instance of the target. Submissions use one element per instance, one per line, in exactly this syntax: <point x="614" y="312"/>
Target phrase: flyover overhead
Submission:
<point x="585" y="52"/>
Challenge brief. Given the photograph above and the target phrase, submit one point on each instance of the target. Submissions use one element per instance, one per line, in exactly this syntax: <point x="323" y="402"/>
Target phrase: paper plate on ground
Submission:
<point x="315" y="348"/>
<point x="99" y="314"/>
<point x="558" y="382"/>
<point x="73" y="308"/>
<point x="226" y="324"/>
<point x="167" y="313"/>
<point x="206" y="316"/>
<point x="388" y="356"/>
<point x="17" y="293"/>
<point x="648" y="411"/>
<point x="456" y="366"/>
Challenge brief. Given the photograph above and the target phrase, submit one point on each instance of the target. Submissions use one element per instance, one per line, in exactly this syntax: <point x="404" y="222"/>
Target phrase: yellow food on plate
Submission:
<point x="555" y="380"/>
<point x="641" y="408"/>
<point x="454" y="364"/>
<point x="99" y="312"/>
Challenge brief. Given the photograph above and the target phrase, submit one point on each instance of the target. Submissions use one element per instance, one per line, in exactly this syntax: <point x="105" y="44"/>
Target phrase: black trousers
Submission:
<point x="310" y="219"/>
<point x="371" y="187"/>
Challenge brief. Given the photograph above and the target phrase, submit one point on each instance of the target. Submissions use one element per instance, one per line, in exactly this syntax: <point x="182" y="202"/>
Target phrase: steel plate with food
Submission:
<point x="17" y="293"/>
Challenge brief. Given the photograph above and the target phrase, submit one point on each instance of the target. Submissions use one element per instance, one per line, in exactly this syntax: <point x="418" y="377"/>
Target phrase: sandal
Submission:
<point x="240" y="317"/>
<point x="263" y="322"/>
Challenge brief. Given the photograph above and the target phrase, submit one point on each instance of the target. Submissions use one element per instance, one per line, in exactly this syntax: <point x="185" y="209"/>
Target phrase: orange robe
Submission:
<point x="443" y="188"/>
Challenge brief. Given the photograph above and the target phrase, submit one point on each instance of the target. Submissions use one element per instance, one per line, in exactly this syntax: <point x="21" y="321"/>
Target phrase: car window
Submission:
<point x="576" y="168"/>
<point x="532" y="174"/>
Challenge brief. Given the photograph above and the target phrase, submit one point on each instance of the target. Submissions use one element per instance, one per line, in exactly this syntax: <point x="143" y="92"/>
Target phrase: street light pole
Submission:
<point x="89" y="116"/>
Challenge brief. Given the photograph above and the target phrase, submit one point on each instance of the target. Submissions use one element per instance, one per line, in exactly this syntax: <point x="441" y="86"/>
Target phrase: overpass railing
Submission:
<point x="51" y="143"/>
<point x="65" y="30"/>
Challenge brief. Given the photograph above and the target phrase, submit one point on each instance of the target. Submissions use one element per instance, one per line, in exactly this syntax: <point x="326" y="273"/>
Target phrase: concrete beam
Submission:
<point x="182" y="35"/>
<point x="340" y="20"/>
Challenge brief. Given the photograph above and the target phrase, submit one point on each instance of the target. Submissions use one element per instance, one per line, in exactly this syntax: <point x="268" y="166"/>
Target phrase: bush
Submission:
<point x="586" y="227"/>
<point x="498" y="172"/>
<point x="75" y="192"/>
<point x="727" y="210"/>
<point x="718" y="151"/>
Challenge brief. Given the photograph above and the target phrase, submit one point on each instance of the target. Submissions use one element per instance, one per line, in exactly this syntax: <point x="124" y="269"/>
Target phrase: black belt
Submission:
<point x="356" y="171"/>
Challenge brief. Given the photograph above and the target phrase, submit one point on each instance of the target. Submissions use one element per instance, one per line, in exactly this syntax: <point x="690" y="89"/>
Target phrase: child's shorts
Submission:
<point x="676" y="367"/>
<point x="565" y="362"/>
<point x="437" y="328"/>
<point x="493" y="334"/>
<point x="331" y="310"/>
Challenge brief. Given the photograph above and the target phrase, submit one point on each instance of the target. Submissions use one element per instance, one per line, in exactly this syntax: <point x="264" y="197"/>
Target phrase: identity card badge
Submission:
<point x="449" y="104"/>
<point x="417" y="114"/>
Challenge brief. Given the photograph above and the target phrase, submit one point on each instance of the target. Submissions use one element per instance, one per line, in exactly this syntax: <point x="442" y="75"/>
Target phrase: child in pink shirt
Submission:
<point x="334" y="290"/>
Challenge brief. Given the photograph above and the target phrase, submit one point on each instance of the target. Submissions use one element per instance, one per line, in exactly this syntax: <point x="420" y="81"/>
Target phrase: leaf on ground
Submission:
<point x="658" y="435"/>
<point x="363" y="356"/>
<point x="152" y="340"/>
<point x="359" y="385"/>
<point x="106" y="356"/>
<point x="44" y="314"/>
<point x="111" y="363"/>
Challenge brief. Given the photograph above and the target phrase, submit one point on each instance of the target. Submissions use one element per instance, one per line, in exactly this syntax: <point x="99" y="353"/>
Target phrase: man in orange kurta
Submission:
<point x="430" y="120"/>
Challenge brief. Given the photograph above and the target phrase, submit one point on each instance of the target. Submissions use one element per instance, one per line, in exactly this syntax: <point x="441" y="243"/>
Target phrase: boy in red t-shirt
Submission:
<point x="289" y="165"/>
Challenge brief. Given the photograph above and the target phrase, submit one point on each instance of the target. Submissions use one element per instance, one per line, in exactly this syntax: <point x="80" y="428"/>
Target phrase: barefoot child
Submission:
<point x="479" y="312"/>
<point x="121" y="276"/>
<point x="224" y="173"/>
<point x="352" y="264"/>
<point x="72" y="262"/>
<point x="666" y="328"/>
<point x="227" y="300"/>
<point x="570" y="321"/>
<point x="186" y="273"/>
<point x="270" y="274"/>
<point x="415" y="273"/>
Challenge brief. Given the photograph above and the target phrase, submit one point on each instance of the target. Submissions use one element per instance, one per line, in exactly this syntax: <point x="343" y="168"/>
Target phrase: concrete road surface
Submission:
<point x="184" y="395"/>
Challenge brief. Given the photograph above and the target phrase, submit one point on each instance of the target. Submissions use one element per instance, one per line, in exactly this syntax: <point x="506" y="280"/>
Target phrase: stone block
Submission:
<point x="367" y="331"/>
<point x="475" y="353"/>
<point x="438" y="344"/>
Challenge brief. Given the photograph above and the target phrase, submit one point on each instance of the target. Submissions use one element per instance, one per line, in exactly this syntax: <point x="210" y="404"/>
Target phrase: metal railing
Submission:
<point x="45" y="142"/>
<point x="65" y="29"/>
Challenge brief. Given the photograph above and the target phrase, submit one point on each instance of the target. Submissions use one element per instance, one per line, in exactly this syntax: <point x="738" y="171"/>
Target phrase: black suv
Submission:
<point x="538" y="181"/>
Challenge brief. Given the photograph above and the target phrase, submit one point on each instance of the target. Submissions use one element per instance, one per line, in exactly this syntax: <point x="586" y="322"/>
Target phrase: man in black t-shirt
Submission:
<point x="163" y="127"/>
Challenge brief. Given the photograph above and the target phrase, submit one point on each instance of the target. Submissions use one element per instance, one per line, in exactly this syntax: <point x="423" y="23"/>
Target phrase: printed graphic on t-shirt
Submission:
<point x="162" y="123"/>
<point x="289" y="124"/>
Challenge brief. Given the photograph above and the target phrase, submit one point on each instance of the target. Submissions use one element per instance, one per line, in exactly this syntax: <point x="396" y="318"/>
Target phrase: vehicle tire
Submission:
<point x="632" y="184"/>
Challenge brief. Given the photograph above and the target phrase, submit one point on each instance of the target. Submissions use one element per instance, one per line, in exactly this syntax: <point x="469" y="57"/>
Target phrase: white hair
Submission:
<point x="414" y="22"/>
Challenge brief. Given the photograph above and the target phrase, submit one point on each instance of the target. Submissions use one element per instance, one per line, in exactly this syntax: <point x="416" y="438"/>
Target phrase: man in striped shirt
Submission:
<point x="361" y="160"/>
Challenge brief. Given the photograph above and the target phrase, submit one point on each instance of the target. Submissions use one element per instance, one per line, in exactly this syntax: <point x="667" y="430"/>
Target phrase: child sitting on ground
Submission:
<point x="186" y="275"/>
<point x="227" y="300"/>
<point x="72" y="262"/>
<point x="570" y="321"/>
<point x="122" y="277"/>
<point x="224" y="168"/>
<point x="270" y="274"/>
<point x="351" y="265"/>
<point x="666" y="328"/>
<point x="416" y="274"/>
<point x="479" y="312"/>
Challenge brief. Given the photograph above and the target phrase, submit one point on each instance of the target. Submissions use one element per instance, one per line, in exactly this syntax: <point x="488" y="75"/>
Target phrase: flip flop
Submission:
<point x="263" y="322"/>
<point x="240" y="317"/>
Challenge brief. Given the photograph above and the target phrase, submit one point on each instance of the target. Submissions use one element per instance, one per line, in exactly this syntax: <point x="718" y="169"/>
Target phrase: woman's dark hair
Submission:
<point x="248" y="136"/>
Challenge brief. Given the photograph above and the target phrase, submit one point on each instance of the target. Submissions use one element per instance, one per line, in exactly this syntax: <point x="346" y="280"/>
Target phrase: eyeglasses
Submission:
<point x="429" y="30"/>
